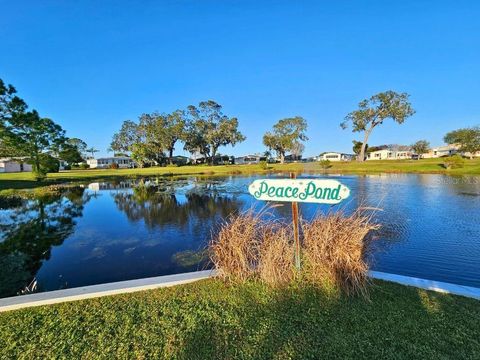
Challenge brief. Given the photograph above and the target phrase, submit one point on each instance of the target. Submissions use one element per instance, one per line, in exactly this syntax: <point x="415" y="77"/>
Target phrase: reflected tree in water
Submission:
<point x="160" y="205"/>
<point x="29" y="231"/>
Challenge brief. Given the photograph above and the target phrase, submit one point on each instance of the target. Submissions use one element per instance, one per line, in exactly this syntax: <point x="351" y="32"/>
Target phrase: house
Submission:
<point x="388" y="154"/>
<point x="250" y="159"/>
<point x="441" y="151"/>
<point x="218" y="160"/>
<point x="384" y="154"/>
<point x="181" y="160"/>
<point x="14" y="164"/>
<point x="123" y="162"/>
<point x="293" y="158"/>
<point x="335" y="156"/>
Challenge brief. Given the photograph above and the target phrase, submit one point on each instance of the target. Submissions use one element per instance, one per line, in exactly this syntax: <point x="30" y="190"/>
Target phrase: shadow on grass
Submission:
<point x="211" y="320"/>
<point x="304" y="323"/>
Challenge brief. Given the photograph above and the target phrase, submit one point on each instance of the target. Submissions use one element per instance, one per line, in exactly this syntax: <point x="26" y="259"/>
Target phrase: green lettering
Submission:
<point x="271" y="191"/>
<point x="325" y="192"/>
<point x="279" y="192"/>
<point x="336" y="193"/>
<point x="263" y="189"/>
<point x="295" y="193"/>
<point x="310" y="190"/>
<point x="288" y="189"/>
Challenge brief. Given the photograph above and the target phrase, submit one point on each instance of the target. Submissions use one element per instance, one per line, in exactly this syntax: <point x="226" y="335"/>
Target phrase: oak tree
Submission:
<point x="374" y="111"/>
<point x="468" y="140"/>
<point x="209" y="128"/>
<point x="286" y="136"/>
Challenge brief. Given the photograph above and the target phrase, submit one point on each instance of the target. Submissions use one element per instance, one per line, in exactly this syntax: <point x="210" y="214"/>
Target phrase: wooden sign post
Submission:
<point x="321" y="191"/>
<point x="296" y="228"/>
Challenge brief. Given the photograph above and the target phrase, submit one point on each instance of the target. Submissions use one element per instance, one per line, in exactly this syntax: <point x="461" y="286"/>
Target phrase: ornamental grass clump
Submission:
<point x="234" y="252"/>
<point x="334" y="251"/>
<point x="250" y="247"/>
<point x="275" y="254"/>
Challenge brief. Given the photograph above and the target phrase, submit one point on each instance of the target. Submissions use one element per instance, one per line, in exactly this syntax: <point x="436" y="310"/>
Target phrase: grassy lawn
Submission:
<point x="25" y="180"/>
<point x="209" y="320"/>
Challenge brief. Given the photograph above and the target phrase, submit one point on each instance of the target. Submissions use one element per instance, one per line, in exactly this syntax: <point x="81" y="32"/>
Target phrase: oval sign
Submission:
<point x="323" y="191"/>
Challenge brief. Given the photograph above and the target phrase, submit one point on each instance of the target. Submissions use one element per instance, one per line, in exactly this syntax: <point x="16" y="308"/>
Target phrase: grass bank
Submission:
<point x="210" y="320"/>
<point x="433" y="166"/>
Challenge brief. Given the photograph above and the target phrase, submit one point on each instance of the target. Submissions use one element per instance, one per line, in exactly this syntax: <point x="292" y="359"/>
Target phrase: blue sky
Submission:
<point x="89" y="65"/>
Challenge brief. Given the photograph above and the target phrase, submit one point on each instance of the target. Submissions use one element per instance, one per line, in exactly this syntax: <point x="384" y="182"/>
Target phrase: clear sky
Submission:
<point x="89" y="65"/>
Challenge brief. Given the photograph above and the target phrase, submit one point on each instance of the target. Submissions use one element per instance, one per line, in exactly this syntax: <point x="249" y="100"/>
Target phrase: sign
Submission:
<point x="322" y="191"/>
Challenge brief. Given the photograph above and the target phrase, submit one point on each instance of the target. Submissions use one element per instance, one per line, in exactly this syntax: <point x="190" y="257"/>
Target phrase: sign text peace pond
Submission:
<point x="299" y="190"/>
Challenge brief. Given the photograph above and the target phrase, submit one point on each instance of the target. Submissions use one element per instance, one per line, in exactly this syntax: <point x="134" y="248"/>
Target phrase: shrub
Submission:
<point x="48" y="164"/>
<point x="84" y="166"/>
<point x="453" y="162"/>
<point x="114" y="166"/>
<point x="334" y="251"/>
<point x="39" y="175"/>
<point x="263" y="165"/>
<point x="325" y="164"/>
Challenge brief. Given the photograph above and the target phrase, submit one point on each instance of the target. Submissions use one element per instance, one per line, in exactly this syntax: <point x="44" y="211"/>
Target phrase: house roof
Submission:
<point x="112" y="157"/>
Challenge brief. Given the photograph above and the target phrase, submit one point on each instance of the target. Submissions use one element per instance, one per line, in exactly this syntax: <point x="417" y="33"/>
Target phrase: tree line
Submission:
<point x="202" y="129"/>
<point x="24" y="133"/>
<point x="153" y="138"/>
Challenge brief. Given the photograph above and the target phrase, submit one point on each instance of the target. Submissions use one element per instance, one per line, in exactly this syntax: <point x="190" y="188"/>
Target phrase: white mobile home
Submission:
<point x="387" y="154"/>
<point x="123" y="162"/>
<point x="441" y="151"/>
<point x="335" y="156"/>
<point x="8" y="165"/>
<point x="250" y="159"/>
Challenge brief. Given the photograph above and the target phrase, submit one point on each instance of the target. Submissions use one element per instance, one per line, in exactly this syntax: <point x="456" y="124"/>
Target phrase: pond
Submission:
<point x="113" y="231"/>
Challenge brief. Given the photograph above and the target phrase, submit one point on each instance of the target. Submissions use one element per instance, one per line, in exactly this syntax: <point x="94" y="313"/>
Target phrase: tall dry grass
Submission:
<point x="248" y="246"/>
<point x="335" y="248"/>
<point x="234" y="252"/>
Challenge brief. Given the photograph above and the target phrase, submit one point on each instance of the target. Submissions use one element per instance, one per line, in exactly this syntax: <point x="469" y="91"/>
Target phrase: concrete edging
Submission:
<point x="93" y="291"/>
<point x="122" y="287"/>
<point x="443" y="287"/>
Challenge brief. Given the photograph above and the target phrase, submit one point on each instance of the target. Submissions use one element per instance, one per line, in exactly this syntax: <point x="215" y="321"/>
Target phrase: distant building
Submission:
<point x="441" y="151"/>
<point x="387" y="154"/>
<point x="293" y="158"/>
<point x="335" y="156"/>
<point x="14" y="164"/>
<point x="250" y="159"/>
<point x="180" y="160"/>
<point x="447" y="150"/>
<point x="218" y="160"/>
<point x="123" y="162"/>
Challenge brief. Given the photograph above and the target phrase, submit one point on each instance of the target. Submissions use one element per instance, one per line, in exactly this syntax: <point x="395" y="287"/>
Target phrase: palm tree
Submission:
<point x="92" y="151"/>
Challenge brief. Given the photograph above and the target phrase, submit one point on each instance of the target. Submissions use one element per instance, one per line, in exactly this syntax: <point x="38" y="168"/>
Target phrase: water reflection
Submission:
<point x="131" y="229"/>
<point x="29" y="230"/>
<point x="159" y="205"/>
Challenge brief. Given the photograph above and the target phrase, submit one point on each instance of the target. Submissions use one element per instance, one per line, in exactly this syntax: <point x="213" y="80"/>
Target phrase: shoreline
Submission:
<point x="22" y="181"/>
<point x="144" y="284"/>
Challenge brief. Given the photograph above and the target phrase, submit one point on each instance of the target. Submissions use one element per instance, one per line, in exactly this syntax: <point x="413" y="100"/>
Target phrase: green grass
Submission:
<point x="25" y="180"/>
<point x="209" y="320"/>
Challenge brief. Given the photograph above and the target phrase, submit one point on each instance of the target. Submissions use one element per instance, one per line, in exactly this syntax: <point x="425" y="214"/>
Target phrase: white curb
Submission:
<point x="88" y="292"/>
<point x="432" y="285"/>
<point x="121" y="287"/>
